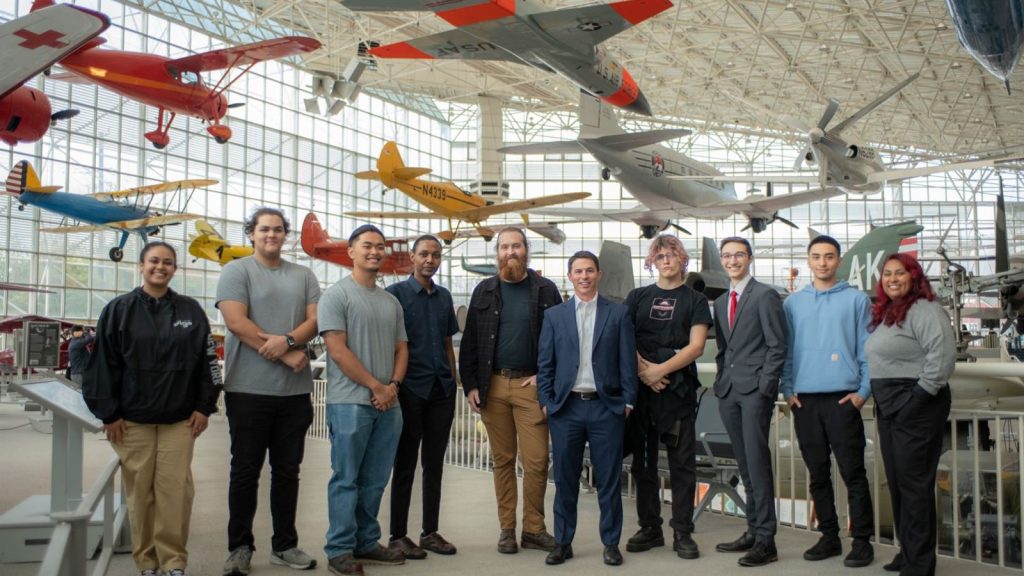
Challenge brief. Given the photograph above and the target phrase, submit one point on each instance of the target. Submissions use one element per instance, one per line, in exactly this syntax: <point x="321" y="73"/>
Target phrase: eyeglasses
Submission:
<point x="734" y="255"/>
<point x="666" y="256"/>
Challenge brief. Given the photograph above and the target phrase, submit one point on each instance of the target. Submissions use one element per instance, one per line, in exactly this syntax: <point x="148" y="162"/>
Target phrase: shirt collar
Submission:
<point x="581" y="303"/>
<point x="739" y="288"/>
<point x="417" y="287"/>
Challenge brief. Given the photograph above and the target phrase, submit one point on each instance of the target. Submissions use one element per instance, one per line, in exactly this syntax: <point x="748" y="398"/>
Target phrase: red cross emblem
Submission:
<point x="50" y="38"/>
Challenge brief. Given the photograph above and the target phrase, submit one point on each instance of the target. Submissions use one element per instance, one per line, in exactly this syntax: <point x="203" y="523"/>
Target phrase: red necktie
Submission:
<point x="732" y="308"/>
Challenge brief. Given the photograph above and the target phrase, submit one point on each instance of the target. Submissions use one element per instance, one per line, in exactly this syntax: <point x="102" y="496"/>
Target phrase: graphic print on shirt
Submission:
<point x="663" y="308"/>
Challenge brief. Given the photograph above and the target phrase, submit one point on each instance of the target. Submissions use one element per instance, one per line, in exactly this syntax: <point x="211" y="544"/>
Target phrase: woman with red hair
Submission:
<point x="911" y="353"/>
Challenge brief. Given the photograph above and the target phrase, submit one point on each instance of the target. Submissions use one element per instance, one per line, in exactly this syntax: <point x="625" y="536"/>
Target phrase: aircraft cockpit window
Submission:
<point x="189" y="78"/>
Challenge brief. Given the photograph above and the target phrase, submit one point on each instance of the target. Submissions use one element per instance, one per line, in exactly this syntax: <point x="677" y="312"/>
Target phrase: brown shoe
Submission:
<point x="538" y="541"/>
<point x="438" y="545"/>
<point x="380" y="555"/>
<point x="507" y="541"/>
<point x="408" y="548"/>
<point x="344" y="565"/>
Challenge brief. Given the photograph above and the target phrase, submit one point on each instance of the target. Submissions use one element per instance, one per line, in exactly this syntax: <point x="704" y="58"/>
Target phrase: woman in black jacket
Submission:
<point x="153" y="379"/>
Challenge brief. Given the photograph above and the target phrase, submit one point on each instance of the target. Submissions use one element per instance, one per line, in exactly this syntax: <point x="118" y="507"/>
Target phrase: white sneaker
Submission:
<point x="238" y="562"/>
<point x="293" y="558"/>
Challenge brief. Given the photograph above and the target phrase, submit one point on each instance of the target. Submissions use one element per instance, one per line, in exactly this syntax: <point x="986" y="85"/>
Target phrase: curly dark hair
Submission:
<point x="888" y="311"/>
<point x="250" y="223"/>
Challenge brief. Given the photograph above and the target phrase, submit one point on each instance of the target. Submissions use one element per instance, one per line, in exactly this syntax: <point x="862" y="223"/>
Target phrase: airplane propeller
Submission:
<point x="63" y="115"/>
<point x="236" y="104"/>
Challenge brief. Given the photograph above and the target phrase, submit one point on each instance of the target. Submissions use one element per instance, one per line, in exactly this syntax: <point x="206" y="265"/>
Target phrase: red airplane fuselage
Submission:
<point x="148" y="79"/>
<point x="24" y="116"/>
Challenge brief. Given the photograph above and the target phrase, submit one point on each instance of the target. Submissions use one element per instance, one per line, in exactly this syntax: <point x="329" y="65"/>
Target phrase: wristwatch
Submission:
<point x="290" y="340"/>
<point x="397" y="383"/>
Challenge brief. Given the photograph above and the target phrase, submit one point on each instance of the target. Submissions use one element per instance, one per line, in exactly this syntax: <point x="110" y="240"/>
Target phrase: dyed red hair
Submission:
<point x="887" y="311"/>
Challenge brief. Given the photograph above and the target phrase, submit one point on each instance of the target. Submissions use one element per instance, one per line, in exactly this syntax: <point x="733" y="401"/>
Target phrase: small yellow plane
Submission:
<point x="209" y="245"/>
<point x="445" y="199"/>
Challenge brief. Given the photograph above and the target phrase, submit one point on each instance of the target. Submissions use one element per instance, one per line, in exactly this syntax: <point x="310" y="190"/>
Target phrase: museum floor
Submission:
<point x="468" y="519"/>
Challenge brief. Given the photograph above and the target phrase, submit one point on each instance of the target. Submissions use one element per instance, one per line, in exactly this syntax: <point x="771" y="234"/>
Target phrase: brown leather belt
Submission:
<point x="513" y="373"/>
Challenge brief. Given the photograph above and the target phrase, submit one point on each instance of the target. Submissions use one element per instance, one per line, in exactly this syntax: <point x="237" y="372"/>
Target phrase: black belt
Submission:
<point x="513" y="373"/>
<point x="583" y="395"/>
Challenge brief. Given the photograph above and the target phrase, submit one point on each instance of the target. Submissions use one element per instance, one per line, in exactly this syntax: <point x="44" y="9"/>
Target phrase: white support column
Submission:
<point x="490" y="183"/>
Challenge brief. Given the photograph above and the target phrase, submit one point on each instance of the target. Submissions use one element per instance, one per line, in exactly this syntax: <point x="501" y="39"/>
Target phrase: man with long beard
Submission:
<point x="498" y="367"/>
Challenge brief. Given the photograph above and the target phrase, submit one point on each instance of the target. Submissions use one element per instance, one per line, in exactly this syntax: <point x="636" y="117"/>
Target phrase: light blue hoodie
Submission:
<point x="827" y="331"/>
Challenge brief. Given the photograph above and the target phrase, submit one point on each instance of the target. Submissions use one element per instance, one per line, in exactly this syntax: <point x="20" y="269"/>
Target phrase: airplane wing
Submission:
<point x="154" y="188"/>
<point x="563" y="147"/>
<point x="396" y="215"/>
<point x="73" y="229"/>
<point x="630" y="140"/>
<point x="484" y="212"/>
<point x="595" y="23"/>
<point x="36" y="41"/>
<point x="148" y="221"/>
<point x="777" y="202"/>
<point x="903" y="174"/>
<point x="752" y="179"/>
<point x="246" y="55"/>
<point x="454" y="44"/>
<point x="203" y="227"/>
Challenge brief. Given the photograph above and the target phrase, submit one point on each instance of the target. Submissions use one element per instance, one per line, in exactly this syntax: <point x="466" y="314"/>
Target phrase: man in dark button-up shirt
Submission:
<point x="427" y="398"/>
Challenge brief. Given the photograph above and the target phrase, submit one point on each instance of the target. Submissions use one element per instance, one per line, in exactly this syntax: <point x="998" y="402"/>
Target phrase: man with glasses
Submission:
<point x="752" y="338"/>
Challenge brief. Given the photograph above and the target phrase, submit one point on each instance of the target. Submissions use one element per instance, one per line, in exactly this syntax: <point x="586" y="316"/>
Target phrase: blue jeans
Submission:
<point x="363" y="445"/>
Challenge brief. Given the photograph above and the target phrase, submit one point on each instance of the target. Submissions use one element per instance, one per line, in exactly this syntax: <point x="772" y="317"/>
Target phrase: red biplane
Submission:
<point x="175" y="86"/>
<point x="318" y="244"/>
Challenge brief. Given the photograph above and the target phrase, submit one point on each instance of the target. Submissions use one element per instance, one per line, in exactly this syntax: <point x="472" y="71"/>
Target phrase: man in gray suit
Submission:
<point x="752" y="336"/>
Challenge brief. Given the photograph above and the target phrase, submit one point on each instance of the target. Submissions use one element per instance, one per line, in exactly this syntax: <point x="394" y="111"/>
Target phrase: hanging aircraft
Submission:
<point x="445" y="199"/>
<point x="488" y="268"/>
<point x="31" y="44"/>
<point x="317" y="243"/>
<point x="175" y="86"/>
<point x="852" y="166"/>
<point x="566" y="41"/>
<point x="992" y="32"/>
<point x="208" y="244"/>
<point x="125" y="211"/>
<point x="646" y="170"/>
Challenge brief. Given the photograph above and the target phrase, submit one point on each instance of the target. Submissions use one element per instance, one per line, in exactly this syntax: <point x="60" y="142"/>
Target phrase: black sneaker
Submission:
<point x="646" y="538"/>
<point x="827" y="547"/>
<point x="896" y="564"/>
<point x="760" y="554"/>
<point x="861" y="554"/>
<point x="684" y="546"/>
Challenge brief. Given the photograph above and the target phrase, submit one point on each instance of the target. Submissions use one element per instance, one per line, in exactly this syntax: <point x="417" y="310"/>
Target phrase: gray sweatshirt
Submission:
<point x="923" y="347"/>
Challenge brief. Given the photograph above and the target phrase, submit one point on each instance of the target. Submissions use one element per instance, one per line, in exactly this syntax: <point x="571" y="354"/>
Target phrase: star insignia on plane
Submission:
<point x="588" y="26"/>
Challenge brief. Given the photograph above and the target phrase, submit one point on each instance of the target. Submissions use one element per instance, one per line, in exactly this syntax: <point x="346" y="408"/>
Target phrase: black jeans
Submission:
<point x="825" y="427"/>
<point x="426" y="423"/>
<point x="682" y="466"/>
<point x="911" y="443"/>
<point x="260" y="424"/>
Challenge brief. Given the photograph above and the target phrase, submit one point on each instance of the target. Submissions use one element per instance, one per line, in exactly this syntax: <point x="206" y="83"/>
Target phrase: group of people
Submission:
<point x="541" y="373"/>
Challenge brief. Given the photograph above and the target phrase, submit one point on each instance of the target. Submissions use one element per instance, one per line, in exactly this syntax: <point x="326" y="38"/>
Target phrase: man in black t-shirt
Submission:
<point x="671" y="325"/>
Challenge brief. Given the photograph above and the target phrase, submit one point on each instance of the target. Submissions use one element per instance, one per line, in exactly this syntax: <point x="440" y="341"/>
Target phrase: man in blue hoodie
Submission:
<point x="825" y="382"/>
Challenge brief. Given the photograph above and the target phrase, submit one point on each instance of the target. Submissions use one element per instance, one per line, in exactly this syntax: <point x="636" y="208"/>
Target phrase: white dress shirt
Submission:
<point x="586" y="314"/>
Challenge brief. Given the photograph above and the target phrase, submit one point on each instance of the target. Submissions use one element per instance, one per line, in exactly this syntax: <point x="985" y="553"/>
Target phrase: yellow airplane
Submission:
<point x="445" y="199"/>
<point x="209" y="245"/>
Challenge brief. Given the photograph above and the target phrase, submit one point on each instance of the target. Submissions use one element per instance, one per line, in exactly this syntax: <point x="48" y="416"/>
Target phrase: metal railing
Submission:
<point x="979" y="487"/>
<point x="66" y="554"/>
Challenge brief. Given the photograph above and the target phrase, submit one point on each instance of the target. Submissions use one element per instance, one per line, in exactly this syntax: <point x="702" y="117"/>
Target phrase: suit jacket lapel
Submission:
<point x="575" y="336"/>
<point x="599" y="320"/>
<point x="722" y="314"/>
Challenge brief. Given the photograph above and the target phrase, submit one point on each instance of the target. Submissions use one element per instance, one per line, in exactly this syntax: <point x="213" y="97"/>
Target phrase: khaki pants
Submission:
<point x="513" y="418"/>
<point x="156" y="464"/>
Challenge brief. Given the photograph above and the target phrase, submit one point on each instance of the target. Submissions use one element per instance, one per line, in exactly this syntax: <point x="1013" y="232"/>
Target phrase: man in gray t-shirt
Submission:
<point x="269" y="306"/>
<point x="364" y="332"/>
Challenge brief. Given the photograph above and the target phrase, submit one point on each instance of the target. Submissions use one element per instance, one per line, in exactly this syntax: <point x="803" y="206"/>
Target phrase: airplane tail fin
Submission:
<point x="710" y="258"/>
<point x="391" y="167"/>
<point x="1002" y="245"/>
<point x="596" y="118"/>
<point x="21" y="178"/>
<point x="618" y="279"/>
<point x="40" y="4"/>
<point x="312" y="234"/>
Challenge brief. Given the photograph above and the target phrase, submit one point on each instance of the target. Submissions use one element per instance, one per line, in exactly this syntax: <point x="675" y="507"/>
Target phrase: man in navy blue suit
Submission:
<point x="586" y="385"/>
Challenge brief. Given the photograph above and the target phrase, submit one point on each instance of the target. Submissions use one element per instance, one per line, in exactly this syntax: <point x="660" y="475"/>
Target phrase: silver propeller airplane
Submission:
<point x="669" y="184"/>
<point x="852" y="166"/>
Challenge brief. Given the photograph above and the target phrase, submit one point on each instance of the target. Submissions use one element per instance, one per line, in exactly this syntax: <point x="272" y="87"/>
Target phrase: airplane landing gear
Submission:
<point x="21" y="207"/>
<point x="446" y="236"/>
<point x="221" y="133"/>
<point x="649" y="231"/>
<point x="116" y="254"/>
<point x="606" y="174"/>
<point x="159" y="137"/>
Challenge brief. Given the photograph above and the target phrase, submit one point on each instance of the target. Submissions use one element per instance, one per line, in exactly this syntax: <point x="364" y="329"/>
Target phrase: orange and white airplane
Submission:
<point x="445" y="199"/>
<point x="175" y="86"/>
<point x="566" y="40"/>
<point x="31" y="44"/>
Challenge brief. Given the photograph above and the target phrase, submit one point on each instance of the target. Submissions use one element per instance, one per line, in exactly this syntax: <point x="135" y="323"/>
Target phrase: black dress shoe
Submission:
<point x="741" y="544"/>
<point x="646" y="537"/>
<point x="684" y="546"/>
<point x="559" y="555"/>
<point x="760" y="555"/>
<point x="612" y="556"/>
<point x="896" y="565"/>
